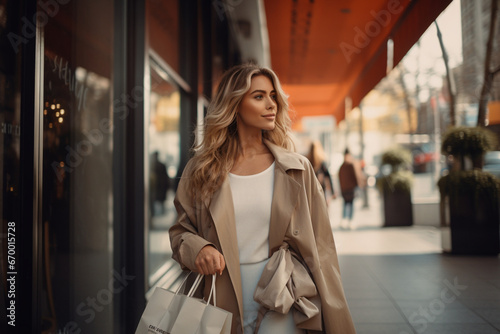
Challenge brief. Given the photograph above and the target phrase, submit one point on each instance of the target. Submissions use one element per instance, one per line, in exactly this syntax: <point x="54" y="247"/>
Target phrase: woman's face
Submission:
<point x="258" y="107"/>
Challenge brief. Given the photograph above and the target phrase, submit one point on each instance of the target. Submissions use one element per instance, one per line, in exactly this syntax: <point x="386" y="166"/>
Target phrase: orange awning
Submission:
<point x="326" y="50"/>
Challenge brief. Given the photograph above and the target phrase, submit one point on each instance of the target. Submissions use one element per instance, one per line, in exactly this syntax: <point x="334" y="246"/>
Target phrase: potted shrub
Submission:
<point x="467" y="146"/>
<point x="395" y="186"/>
<point x="469" y="195"/>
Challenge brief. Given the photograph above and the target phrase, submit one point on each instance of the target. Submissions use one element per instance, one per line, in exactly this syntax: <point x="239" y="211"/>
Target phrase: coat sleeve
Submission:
<point x="184" y="235"/>
<point x="324" y="265"/>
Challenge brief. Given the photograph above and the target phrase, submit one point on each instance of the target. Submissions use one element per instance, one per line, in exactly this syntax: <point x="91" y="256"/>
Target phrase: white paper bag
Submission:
<point x="174" y="313"/>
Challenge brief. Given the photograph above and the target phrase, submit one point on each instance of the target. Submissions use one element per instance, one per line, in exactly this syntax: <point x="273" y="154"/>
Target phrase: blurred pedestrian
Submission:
<point x="317" y="158"/>
<point x="159" y="184"/>
<point x="348" y="183"/>
<point x="245" y="193"/>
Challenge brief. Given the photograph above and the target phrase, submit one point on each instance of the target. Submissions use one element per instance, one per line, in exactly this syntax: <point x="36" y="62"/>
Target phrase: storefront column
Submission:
<point x="128" y="161"/>
<point x="188" y="30"/>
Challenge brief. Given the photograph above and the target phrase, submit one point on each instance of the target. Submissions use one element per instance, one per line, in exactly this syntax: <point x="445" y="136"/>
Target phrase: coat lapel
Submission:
<point x="222" y="211"/>
<point x="285" y="194"/>
<point x="285" y="198"/>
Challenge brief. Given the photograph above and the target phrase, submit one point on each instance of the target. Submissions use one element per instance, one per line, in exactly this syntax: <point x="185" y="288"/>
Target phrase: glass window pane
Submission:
<point x="77" y="171"/>
<point x="163" y="149"/>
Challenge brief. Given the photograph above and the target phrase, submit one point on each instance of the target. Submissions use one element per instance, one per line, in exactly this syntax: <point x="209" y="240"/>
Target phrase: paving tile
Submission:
<point x="364" y="293"/>
<point x="390" y="241"/>
<point x="481" y="303"/>
<point x="482" y="292"/>
<point x="491" y="315"/>
<point x="415" y="290"/>
<point x="359" y="282"/>
<point x="412" y="307"/>
<point x="457" y="329"/>
<point x="379" y="315"/>
<point x="454" y="316"/>
<point x="376" y="328"/>
<point x="369" y="303"/>
<point x="357" y="277"/>
<point x="422" y="317"/>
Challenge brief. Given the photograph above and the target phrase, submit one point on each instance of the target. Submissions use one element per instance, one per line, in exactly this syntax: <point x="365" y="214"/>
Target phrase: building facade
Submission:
<point x="99" y="101"/>
<point x="476" y="18"/>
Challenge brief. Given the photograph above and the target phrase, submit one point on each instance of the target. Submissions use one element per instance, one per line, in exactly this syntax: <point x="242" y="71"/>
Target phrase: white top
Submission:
<point x="252" y="197"/>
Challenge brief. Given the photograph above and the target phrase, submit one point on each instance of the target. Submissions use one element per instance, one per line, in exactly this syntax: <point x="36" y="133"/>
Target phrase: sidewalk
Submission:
<point x="397" y="280"/>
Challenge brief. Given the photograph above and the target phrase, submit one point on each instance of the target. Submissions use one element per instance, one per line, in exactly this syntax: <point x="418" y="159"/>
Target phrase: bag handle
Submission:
<point x="196" y="284"/>
<point x="212" y="290"/>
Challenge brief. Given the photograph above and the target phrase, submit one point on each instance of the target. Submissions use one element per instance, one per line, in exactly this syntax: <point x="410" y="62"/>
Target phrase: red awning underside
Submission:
<point x="326" y="50"/>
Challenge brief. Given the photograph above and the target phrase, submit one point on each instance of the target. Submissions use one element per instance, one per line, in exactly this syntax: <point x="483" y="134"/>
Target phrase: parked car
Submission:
<point x="492" y="163"/>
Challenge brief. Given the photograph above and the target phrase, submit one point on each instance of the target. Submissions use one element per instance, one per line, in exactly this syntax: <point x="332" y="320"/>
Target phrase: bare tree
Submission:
<point x="406" y="99"/>
<point x="449" y="79"/>
<point x="488" y="74"/>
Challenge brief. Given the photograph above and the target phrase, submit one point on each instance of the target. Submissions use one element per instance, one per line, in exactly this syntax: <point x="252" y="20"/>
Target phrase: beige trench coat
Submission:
<point x="298" y="216"/>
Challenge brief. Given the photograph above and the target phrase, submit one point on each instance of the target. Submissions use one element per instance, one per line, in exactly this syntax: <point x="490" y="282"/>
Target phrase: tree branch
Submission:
<point x="449" y="79"/>
<point x="495" y="71"/>
<point x="483" y="99"/>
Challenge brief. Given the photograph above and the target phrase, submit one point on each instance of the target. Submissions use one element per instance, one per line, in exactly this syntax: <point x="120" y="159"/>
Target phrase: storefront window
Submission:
<point x="79" y="282"/>
<point x="163" y="30"/>
<point x="163" y="146"/>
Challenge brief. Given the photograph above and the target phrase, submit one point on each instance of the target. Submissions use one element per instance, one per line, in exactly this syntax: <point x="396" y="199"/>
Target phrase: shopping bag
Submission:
<point x="174" y="313"/>
<point x="155" y="310"/>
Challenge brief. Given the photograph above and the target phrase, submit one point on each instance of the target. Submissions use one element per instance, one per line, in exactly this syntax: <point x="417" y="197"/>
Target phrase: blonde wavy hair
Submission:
<point x="215" y="155"/>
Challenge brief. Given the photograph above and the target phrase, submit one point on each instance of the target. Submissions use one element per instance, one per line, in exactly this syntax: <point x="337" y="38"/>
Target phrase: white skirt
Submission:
<point x="273" y="322"/>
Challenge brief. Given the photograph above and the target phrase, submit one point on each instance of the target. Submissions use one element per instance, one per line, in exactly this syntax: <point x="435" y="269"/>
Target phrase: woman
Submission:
<point x="316" y="156"/>
<point x="348" y="183"/>
<point x="245" y="192"/>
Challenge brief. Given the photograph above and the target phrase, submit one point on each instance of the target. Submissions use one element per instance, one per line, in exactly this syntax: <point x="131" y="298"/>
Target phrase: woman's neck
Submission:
<point x="253" y="157"/>
<point x="251" y="144"/>
<point x="249" y="149"/>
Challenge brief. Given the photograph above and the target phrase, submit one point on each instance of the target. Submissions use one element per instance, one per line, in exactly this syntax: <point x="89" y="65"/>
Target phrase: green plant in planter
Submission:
<point x="397" y="158"/>
<point x="472" y="195"/>
<point x="397" y="181"/>
<point x="482" y="185"/>
<point x="399" y="177"/>
<point x="472" y="142"/>
<point x="395" y="186"/>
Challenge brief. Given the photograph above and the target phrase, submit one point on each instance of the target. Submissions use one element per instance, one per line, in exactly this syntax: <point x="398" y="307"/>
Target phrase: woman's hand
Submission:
<point x="210" y="261"/>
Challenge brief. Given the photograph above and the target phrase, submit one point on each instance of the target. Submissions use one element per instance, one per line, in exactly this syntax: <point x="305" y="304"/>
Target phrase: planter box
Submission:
<point x="474" y="225"/>
<point x="398" y="209"/>
<point x="426" y="211"/>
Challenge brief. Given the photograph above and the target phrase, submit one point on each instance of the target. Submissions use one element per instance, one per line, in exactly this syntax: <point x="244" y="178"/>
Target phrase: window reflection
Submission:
<point x="164" y="156"/>
<point x="77" y="143"/>
<point x="77" y="182"/>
